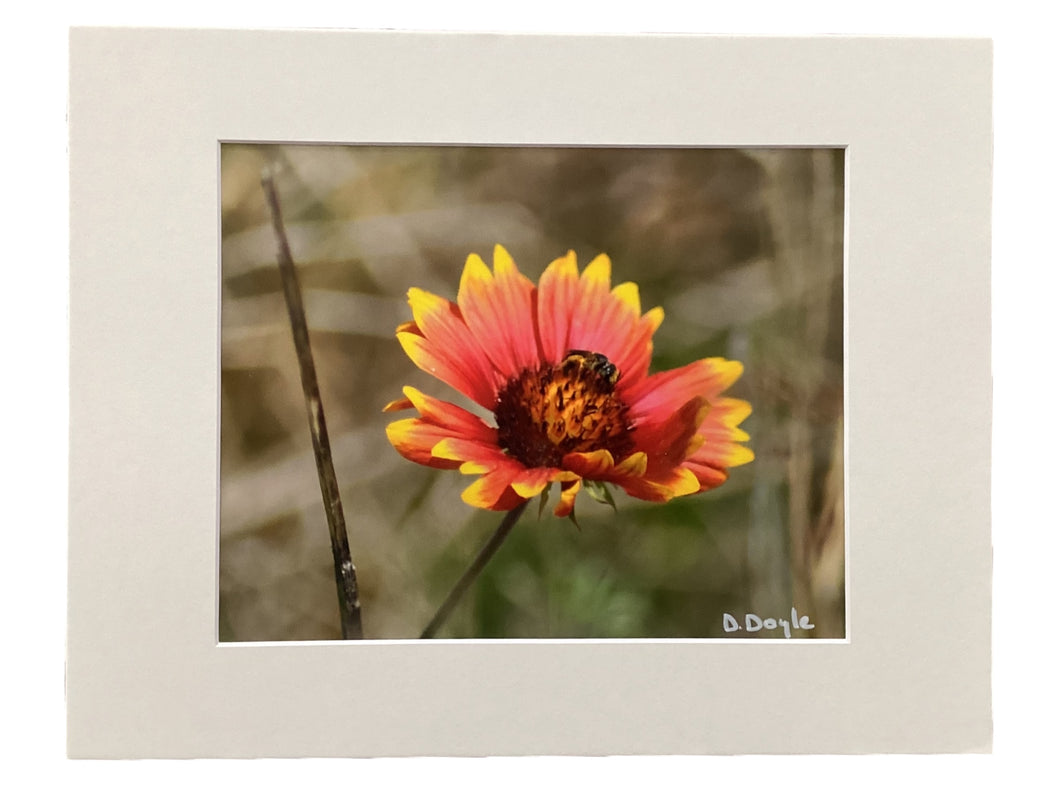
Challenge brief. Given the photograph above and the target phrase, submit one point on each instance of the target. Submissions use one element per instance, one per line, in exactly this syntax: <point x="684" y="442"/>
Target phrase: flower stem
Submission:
<point x="476" y="567"/>
<point x="345" y="573"/>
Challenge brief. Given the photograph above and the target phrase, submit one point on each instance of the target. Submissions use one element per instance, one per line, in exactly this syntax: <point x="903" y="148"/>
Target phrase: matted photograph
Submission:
<point x="554" y="392"/>
<point x="502" y="395"/>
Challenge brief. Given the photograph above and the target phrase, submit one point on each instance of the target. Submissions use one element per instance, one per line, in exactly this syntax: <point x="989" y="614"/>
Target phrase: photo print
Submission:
<point x="538" y="393"/>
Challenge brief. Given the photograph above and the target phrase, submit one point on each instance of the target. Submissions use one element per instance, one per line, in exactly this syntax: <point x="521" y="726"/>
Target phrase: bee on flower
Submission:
<point x="563" y="367"/>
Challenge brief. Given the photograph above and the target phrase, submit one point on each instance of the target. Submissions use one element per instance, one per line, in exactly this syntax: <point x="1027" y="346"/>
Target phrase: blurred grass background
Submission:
<point x="743" y="250"/>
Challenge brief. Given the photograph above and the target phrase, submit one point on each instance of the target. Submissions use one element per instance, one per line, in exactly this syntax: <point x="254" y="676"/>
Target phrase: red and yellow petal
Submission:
<point x="498" y="309"/>
<point x="722" y="435"/>
<point x="447" y="415"/>
<point x="493" y="491"/>
<point x="484" y="455"/>
<point x="721" y="449"/>
<point x="633" y="356"/>
<point x="570" y="307"/>
<point x="663" y="486"/>
<point x="557" y="299"/>
<point x="585" y="313"/>
<point x="439" y="422"/>
<point x="440" y="322"/>
<point x="401" y="404"/>
<point x="708" y="475"/>
<point x="415" y="439"/>
<point x="594" y="465"/>
<point x="668" y="440"/>
<point x="445" y="365"/>
<point x="635" y="466"/>
<point x="532" y="482"/>
<point x="663" y="393"/>
<point x="568" y="492"/>
<point x="594" y="317"/>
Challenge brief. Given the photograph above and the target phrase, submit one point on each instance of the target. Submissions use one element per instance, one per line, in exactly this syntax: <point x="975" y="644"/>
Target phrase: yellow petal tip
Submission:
<point x="598" y="271"/>
<point x="629" y="294"/>
<point x="502" y="260"/>
<point x="739" y="455"/>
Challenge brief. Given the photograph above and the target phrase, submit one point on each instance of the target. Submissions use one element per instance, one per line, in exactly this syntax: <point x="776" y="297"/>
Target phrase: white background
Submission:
<point x="1025" y="435"/>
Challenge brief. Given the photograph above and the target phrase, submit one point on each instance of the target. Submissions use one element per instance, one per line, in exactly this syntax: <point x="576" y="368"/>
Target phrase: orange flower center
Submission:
<point x="569" y="407"/>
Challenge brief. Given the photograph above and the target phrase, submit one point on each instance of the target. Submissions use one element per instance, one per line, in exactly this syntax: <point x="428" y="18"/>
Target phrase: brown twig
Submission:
<point x="345" y="573"/>
<point x="476" y="567"/>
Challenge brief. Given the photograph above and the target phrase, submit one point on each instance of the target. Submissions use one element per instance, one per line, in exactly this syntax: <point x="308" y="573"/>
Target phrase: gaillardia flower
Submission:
<point x="563" y="368"/>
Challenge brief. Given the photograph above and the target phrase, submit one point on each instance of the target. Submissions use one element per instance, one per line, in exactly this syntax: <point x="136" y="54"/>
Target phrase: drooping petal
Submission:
<point x="709" y="477"/>
<point x="493" y="490"/>
<point x="568" y="491"/>
<point x="664" y="486"/>
<point x="531" y="482"/>
<point x="498" y="309"/>
<point x="594" y="465"/>
<point x="635" y="466"/>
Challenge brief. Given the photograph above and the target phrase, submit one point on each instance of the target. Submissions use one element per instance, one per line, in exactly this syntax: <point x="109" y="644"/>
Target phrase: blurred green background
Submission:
<point x="743" y="250"/>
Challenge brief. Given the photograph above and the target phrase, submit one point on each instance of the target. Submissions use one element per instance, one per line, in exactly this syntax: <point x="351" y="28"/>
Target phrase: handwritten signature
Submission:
<point x="753" y="623"/>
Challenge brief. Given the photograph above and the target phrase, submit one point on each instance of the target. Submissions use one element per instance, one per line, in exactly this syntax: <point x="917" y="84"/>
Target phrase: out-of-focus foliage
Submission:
<point x="743" y="249"/>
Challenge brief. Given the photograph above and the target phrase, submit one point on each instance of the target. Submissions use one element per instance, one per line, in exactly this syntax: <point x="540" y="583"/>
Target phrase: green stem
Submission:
<point x="476" y="567"/>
